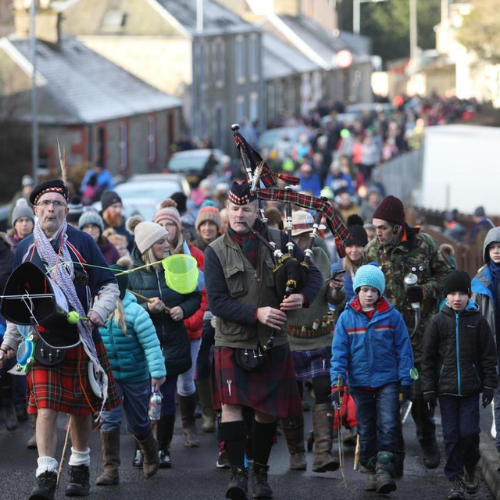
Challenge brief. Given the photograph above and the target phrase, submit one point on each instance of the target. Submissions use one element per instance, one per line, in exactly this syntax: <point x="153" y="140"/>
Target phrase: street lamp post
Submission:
<point x="34" y="96"/>
<point x="356" y="14"/>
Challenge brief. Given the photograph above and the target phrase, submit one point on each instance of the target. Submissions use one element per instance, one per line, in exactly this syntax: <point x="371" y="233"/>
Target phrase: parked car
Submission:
<point x="269" y="138"/>
<point x="143" y="193"/>
<point x="190" y="163"/>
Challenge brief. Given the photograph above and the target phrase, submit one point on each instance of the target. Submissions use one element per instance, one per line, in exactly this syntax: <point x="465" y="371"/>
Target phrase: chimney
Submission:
<point x="47" y="21"/>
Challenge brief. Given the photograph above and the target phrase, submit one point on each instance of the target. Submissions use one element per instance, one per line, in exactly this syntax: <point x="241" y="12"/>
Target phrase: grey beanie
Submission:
<point x="90" y="217"/>
<point x="22" y="209"/>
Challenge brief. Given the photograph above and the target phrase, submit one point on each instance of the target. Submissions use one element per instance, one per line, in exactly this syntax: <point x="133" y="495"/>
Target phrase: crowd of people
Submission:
<point x="390" y="321"/>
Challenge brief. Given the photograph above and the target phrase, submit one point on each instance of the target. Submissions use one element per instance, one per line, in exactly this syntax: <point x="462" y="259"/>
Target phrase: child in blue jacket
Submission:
<point x="372" y="353"/>
<point x="134" y="353"/>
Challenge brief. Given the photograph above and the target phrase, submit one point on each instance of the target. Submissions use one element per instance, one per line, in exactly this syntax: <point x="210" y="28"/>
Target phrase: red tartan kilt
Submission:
<point x="271" y="390"/>
<point x="66" y="387"/>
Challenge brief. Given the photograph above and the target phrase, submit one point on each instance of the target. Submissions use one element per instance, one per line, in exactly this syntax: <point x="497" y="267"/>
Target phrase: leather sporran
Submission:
<point x="49" y="355"/>
<point x="250" y="360"/>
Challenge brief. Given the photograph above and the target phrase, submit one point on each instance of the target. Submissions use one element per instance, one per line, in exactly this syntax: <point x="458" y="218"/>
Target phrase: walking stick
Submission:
<point x="357" y="452"/>
<point x="59" y="472"/>
<point x="341" y="438"/>
<point x="142" y="297"/>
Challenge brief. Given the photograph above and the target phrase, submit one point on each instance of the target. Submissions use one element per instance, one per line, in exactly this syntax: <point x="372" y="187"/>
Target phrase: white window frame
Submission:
<point x="253" y="111"/>
<point x="240" y="108"/>
<point x="253" y="57"/>
<point x="152" y="153"/>
<point x="239" y="59"/>
<point x="123" y="146"/>
<point x="218" y="65"/>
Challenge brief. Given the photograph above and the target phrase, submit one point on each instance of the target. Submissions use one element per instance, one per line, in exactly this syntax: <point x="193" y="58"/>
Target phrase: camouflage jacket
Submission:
<point x="418" y="253"/>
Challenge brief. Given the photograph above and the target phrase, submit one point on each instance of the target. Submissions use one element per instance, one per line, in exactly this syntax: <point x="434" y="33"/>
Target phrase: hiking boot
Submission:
<point x="45" y="486"/>
<point x="110" y="443"/>
<point x="238" y="484"/>
<point x="383" y="475"/>
<point x="432" y="455"/>
<point x="471" y="480"/>
<point x="222" y="461"/>
<point x="323" y="439"/>
<point x="79" y="481"/>
<point x="371" y="482"/>
<point x="457" y="491"/>
<point x="260" y="485"/>
<point x="164" y="459"/>
<point x="138" y="460"/>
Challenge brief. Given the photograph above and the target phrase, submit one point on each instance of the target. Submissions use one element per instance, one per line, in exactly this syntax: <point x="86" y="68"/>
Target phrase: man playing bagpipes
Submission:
<point x="252" y="361"/>
<point x="254" y="276"/>
<point x="60" y="378"/>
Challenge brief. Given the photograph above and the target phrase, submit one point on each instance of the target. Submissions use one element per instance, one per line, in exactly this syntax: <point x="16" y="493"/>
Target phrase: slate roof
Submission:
<point x="322" y="42"/>
<point x="88" y="87"/>
<point x="217" y="20"/>
<point x="282" y="60"/>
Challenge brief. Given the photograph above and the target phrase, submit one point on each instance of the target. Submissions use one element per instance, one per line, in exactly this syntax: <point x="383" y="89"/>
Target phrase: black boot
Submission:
<point x="165" y="434"/>
<point x="79" y="481"/>
<point x="45" y="486"/>
<point x="237" y="488"/>
<point x="7" y="392"/>
<point x="432" y="456"/>
<point x="260" y="484"/>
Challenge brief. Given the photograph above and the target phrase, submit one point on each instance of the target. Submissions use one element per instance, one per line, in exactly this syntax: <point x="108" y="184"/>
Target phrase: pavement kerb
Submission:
<point x="488" y="466"/>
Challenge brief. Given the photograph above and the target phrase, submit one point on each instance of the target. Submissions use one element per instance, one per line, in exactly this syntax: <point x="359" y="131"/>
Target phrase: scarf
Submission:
<point x="249" y="243"/>
<point x="61" y="270"/>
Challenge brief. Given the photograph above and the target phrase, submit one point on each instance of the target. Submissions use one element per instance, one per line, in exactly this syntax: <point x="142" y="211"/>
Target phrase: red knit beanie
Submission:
<point x="391" y="209"/>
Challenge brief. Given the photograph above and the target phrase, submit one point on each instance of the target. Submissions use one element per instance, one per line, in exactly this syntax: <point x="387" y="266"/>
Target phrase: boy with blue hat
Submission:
<point x="372" y="353"/>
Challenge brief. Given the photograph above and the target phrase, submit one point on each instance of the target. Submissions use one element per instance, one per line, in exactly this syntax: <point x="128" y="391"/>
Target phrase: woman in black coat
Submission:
<point x="167" y="309"/>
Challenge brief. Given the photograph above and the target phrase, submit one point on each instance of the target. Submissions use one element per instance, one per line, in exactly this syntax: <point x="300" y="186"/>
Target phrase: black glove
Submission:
<point x="415" y="293"/>
<point x="487" y="396"/>
<point x="430" y="399"/>
<point x="404" y="393"/>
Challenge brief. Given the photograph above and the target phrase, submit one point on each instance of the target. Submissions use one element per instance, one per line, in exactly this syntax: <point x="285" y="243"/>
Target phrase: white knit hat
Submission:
<point x="146" y="233"/>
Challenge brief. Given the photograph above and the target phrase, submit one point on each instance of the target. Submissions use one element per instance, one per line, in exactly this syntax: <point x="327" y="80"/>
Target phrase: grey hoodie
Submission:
<point x="492" y="236"/>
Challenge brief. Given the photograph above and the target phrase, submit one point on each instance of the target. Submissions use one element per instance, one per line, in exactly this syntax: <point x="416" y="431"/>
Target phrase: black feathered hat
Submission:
<point x="240" y="194"/>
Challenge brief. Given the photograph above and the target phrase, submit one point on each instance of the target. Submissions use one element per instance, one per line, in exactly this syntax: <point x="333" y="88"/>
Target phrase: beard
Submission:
<point x="113" y="220"/>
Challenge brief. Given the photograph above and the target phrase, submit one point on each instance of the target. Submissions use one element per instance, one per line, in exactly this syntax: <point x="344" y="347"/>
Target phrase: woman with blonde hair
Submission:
<point x="168" y="309"/>
<point x="169" y="217"/>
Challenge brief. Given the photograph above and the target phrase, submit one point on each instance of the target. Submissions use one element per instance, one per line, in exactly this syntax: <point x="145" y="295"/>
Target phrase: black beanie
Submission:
<point x="109" y="198"/>
<point x="457" y="281"/>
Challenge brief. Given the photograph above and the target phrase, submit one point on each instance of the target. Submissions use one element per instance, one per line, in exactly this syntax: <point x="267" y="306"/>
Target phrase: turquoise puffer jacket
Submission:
<point x="136" y="355"/>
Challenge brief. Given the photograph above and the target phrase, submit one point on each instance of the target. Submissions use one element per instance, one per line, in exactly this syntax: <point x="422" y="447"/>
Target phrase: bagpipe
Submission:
<point x="290" y="275"/>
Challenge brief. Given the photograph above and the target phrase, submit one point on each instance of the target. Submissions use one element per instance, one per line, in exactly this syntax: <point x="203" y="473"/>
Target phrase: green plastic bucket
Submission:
<point x="181" y="273"/>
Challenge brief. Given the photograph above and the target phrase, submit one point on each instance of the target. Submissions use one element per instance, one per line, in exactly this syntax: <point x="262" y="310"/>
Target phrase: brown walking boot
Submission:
<point x="324" y="461"/>
<point x="187" y="407"/>
<point x="294" y="433"/>
<point x="149" y="448"/>
<point x="110" y="444"/>
<point x="205" y="397"/>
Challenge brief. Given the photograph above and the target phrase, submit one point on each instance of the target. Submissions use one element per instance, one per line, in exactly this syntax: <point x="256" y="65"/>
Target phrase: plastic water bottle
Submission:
<point x="154" y="410"/>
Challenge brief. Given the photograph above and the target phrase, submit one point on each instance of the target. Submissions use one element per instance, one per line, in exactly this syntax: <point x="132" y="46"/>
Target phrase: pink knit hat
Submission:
<point x="208" y="213"/>
<point x="168" y="210"/>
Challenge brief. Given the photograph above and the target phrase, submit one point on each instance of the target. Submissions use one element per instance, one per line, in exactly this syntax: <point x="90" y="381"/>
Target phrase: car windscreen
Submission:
<point x="156" y="190"/>
<point x="186" y="163"/>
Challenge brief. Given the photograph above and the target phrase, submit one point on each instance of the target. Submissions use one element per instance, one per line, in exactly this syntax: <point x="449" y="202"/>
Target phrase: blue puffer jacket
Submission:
<point x="371" y="353"/>
<point x="136" y="355"/>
